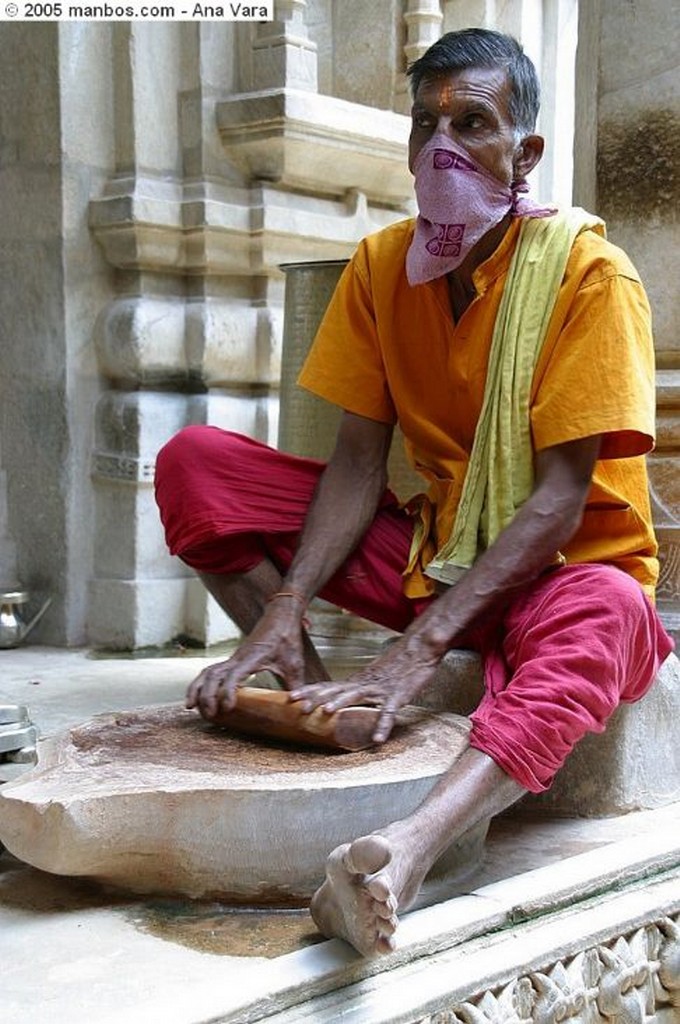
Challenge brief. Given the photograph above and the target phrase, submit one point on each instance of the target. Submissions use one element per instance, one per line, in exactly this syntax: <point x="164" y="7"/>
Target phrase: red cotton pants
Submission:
<point x="566" y="651"/>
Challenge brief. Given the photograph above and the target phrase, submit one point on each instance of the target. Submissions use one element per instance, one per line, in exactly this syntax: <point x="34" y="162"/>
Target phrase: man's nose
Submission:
<point x="445" y="125"/>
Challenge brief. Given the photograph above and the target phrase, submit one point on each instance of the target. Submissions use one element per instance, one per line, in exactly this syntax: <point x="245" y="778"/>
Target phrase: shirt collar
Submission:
<point x="499" y="260"/>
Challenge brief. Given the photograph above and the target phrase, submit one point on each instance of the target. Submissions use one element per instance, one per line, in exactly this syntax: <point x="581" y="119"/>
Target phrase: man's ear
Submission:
<point x="527" y="155"/>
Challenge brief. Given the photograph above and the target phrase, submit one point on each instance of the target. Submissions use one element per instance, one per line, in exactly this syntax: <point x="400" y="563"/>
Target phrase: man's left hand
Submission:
<point x="389" y="683"/>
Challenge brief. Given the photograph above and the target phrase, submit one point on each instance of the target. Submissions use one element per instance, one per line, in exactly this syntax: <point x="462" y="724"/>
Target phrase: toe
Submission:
<point x="386" y="925"/>
<point x="380" y="889"/>
<point x="384" y="908"/>
<point x="367" y="855"/>
<point x="385" y="944"/>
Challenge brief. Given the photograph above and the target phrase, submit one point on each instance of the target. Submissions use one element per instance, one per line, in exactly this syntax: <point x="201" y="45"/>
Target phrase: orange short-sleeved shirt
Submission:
<point x="391" y="352"/>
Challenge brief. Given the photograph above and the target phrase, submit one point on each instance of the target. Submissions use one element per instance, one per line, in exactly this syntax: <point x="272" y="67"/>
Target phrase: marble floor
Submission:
<point x="70" y="950"/>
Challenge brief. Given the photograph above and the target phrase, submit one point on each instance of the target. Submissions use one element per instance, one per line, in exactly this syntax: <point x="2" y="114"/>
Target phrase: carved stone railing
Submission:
<point x="634" y="978"/>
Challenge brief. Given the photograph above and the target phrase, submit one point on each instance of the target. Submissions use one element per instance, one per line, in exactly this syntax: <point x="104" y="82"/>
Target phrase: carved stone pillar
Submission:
<point x="283" y="54"/>
<point x="8" y="552"/>
<point x="423" y="19"/>
<point x="50" y="292"/>
<point x="204" y="209"/>
<point x="638" y="197"/>
<point x="664" y="471"/>
<point x="422" y="22"/>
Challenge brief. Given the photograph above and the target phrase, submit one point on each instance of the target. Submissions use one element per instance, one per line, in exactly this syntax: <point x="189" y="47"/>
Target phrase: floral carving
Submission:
<point x="623" y="982"/>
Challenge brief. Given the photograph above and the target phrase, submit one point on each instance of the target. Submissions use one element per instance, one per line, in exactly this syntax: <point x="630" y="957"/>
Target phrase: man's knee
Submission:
<point x="600" y="600"/>
<point x="192" y="482"/>
<point x="630" y="627"/>
<point x="585" y="640"/>
<point x="194" y="445"/>
<point x="617" y="589"/>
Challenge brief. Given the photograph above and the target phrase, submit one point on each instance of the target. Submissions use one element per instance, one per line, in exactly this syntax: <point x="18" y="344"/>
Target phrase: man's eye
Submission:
<point x="473" y="122"/>
<point x="422" y="121"/>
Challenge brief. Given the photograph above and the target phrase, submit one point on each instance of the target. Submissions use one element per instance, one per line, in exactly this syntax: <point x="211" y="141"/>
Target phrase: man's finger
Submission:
<point x="208" y="694"/>
<point x="385" y="725"/>
<point x="215" y="685"/>
<point x="315" y="695"/>
<point x="194" y="689"/>
<point x="349" y="698"/>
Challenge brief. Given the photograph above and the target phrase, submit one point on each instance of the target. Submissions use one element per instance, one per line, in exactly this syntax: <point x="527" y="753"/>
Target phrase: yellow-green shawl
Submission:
<point x="500" y="473"/>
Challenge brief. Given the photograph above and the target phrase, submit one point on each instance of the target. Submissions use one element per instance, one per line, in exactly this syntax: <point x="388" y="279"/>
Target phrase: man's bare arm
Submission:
<point x="344" y="504"/>
<point x="526" y="548"/>
<point x="343" y="507"/>
<point x="545" y="523"/>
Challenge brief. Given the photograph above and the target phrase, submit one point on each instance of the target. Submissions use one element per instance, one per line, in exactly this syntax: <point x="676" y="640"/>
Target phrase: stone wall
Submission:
<point x="53" y="283"/>
<point x="638" y="194"/>
<point x="154" y="179"/>
<point x="218" y="182"/>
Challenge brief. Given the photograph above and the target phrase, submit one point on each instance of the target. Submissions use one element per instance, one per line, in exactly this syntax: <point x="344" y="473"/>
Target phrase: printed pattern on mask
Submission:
<point x="443" y="159"/>
<point x="448" y="241"/>
<point x="458" y="202"/>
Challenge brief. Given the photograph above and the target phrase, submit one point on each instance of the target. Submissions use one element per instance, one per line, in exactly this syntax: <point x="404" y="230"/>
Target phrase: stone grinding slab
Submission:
<point x="159" y="801"/>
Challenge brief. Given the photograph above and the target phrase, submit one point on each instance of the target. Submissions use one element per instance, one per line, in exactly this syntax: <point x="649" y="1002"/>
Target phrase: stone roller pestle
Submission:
<point x="271" y="714"/>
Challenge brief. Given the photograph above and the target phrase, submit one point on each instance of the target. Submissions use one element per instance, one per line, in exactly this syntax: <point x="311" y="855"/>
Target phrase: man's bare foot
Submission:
<point x="359" y="899"/>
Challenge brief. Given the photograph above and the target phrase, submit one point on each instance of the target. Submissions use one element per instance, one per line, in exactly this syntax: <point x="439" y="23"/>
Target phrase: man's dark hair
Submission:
<point x="483" y="48"/>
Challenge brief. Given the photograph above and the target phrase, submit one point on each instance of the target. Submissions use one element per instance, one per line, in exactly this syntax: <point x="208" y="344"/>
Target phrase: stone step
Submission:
<point x="17" y="736"/>
<point x="13" y="713"/>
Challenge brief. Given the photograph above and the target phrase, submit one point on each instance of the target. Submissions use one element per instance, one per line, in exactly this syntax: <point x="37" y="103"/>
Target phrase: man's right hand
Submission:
<point x="343" y="508"/>
<point x="275" y="645"/>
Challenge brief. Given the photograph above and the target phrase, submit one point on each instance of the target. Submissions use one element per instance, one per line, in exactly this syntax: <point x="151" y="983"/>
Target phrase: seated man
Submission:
<point x="527" y="405"/>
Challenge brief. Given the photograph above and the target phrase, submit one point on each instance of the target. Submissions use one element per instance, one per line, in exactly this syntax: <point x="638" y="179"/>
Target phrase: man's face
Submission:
<point x="471" y="107"/>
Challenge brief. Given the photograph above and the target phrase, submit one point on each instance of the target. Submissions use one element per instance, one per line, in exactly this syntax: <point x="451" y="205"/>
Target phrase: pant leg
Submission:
<point x="577" y="643"/>
<point x="227" y="501"/>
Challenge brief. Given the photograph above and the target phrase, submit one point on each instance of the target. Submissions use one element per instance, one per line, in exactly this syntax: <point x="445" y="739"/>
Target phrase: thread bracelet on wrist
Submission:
<point x="297" y="596"/>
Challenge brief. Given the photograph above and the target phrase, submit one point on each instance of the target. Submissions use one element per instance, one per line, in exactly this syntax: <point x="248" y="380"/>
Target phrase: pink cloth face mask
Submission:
<point x="458" y="202"/>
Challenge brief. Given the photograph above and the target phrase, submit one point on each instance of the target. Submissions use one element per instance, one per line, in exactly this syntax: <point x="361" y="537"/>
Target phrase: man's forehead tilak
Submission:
<point x="446" y="90"/>
<point x="441" y="91"/>
<point x="445" y="93"/>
